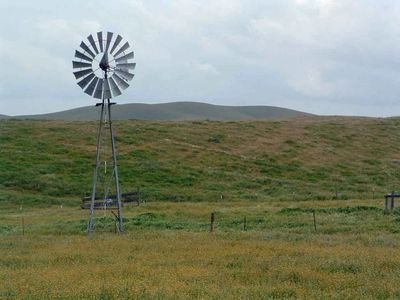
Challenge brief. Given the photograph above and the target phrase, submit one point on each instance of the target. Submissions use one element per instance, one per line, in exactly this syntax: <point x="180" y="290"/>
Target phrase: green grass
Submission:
<point x="321" y="158"/>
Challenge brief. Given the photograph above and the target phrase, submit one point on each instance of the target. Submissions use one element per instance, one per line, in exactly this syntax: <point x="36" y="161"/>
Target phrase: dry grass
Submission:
<point x="276" y="261"/>
<point x="197" y="265"/>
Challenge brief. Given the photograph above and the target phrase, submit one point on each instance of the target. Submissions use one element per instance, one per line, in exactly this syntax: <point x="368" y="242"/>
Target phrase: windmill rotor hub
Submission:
<point x="104" y="66"/>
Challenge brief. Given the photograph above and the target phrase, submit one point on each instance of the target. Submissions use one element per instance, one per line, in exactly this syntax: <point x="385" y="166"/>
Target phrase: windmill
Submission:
<point x="102" y="68"/>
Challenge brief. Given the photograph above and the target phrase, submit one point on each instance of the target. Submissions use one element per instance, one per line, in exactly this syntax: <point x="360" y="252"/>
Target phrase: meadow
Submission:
<point x="273" y="174"/>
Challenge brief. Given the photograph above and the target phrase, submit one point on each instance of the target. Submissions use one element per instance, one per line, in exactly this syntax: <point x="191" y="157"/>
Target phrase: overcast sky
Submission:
<point x="318" y="56"/>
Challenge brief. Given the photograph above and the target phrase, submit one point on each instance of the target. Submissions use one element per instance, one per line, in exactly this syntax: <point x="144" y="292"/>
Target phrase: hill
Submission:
<point x="310" y="158"/>
<point x="175" y="111"/>
<point x="297" y="204"/>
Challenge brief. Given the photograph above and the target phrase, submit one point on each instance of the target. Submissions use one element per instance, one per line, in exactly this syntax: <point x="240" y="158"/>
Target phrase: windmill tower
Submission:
<point x="102" y="68"/>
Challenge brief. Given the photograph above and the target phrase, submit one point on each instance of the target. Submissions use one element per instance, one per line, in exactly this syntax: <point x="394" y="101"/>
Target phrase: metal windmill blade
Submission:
<point x="103" y="65"/>
<point x="93" y="43"/>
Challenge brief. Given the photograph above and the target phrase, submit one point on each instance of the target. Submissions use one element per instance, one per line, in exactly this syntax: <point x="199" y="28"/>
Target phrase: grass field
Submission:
<point x="169" y="253"/>
<point x="274" y="174"/>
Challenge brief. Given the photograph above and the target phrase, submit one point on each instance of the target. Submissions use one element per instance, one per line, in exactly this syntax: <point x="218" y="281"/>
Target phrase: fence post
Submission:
<point x="212" y="219"/>
<point x="315" y="223"/>
<point x="115" y="222"/>
<point x="392" y="203"/>
<point x="386" y="211"/>
<point x="244" y="223"/>
<point x="23" y="226"/>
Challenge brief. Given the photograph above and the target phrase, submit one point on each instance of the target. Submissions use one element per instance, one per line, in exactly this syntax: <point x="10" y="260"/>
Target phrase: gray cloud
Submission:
<point x="320" y="56"/>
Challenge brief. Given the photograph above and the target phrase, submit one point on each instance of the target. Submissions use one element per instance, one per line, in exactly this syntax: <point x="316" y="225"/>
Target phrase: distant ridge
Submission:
<point x="174" y="111"/>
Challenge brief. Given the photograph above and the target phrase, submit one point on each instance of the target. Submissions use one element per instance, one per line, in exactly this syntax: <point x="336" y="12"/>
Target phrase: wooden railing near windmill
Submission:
<point x="110" y="202"/>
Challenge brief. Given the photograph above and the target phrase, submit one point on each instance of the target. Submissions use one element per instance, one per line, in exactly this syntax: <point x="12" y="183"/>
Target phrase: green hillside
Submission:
<point x="304" y="159"/>
<point x="175" y="111"/>
<point x="298" y="208"/>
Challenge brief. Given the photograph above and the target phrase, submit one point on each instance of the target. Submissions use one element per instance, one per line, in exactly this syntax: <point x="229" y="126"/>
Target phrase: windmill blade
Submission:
<point x="99" y="89"/>
<point x="125" y="75"/>
<point x="92" y="42"/>
<point x="106" y="90"/>
<point x="82" y="56"/>
<point x="116" y="43"/>
<point x="122" y="49"/>
<point x="109" y="37"/>
<point x="114" y="88"/>
<point x="121" y="69"/>
<point x="78" y="64"/>
<point x="90" y="88"/>
<point x="126" y="66"/>
<point x="100" y="40"/>
<point x="120" y="82"/>
<point x="125" y="58"/>
<point x="87" y="49"/>
<point x="82" y="73"/>
<point x="86" y="80"/>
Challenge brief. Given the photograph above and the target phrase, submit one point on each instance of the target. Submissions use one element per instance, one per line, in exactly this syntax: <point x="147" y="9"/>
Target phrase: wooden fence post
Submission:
<point x="315" y="223"/>
<point x="386" y="211"/>
<point x="244" y="223"/>
<point x="212" y="219"/>
<point x="23" y="226"/>
<point x="115" y="222"/>
<point x="392" y="203"/>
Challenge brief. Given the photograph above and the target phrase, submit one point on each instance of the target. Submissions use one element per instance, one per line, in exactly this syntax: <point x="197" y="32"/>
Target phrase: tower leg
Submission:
<point x="96" y="171"/>
<point x="114" y="155"/>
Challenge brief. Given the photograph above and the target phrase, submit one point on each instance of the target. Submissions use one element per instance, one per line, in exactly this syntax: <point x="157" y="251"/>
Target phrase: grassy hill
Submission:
<point x="175" y="111"/>
<point x="262" y="179"/>
<point x="305" y="159"/>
